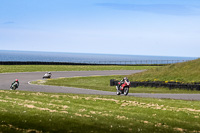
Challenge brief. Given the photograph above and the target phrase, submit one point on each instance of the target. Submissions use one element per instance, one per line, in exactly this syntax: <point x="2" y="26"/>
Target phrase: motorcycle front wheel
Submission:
<point x="126" y="90"/>
<point x="118" y="93"/>
<point x="14" y="88"/>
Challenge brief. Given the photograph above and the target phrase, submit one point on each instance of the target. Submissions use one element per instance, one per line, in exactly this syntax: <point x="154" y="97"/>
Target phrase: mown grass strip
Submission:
<point x="39" y="68"/>
<point x="43" y="112"/>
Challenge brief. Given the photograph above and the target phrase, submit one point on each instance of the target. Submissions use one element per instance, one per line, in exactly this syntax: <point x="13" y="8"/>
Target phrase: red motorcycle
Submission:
<point x="124" y="88"/>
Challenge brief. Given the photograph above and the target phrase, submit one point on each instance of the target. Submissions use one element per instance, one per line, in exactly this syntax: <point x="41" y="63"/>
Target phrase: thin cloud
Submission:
<point x="167" y="9"/>
<point x="9" y="22"/>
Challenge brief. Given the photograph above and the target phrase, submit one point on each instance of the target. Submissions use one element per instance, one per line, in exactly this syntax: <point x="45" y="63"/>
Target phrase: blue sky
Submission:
<point x="135" y="27"/>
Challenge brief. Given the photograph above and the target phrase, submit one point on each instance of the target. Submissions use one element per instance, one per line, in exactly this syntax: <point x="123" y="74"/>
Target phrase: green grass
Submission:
<point x="43" y="112"/>
<point x="103" y="83"/>
<point x="183" y="72"/>
<point x="37" y="68"/>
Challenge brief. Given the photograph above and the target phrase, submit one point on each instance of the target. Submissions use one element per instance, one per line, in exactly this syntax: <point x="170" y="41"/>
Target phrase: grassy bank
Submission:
<point x="43" y="112"/>
<point x="184" y="72"/>
<point x="103" y="83"/>
<point x="37" y="68"/>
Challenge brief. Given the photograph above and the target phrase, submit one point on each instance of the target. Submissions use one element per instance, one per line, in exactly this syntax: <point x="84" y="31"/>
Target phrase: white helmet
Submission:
<point x="125" y="78"/>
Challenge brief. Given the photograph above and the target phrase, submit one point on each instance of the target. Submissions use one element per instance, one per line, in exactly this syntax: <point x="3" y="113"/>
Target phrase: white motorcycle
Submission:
<point x="47" y="75"/>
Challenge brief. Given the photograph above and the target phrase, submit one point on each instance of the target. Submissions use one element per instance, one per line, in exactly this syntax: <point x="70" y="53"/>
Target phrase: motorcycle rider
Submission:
<point x="15" y="82"/>
<point x="47" y="75"/>
<point x="122" y="82"/>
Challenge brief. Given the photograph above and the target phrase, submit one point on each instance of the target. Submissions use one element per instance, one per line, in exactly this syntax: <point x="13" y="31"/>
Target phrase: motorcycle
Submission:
<point x="47" y="75"/>
<point x="14" y="86"/>
<point x="124" y="88"/>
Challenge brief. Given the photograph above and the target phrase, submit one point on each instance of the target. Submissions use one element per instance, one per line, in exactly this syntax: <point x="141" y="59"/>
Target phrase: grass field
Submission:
<point x="43" y="112"/>
<point x="44" y="68"/>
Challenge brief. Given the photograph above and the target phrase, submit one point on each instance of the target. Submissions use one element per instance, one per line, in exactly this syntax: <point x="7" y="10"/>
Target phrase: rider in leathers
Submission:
<point x="122" y="82"/>
<point x="17" y="82"/>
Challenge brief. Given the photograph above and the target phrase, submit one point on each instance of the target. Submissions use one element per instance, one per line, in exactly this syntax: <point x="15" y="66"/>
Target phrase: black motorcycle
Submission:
<point x="14" y="86"/>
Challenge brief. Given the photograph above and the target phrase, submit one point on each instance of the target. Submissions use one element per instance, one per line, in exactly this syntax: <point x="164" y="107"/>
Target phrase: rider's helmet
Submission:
<point x="16" y="80"/>
<point x="49" y="72"/>
<point x="125" y="78"/>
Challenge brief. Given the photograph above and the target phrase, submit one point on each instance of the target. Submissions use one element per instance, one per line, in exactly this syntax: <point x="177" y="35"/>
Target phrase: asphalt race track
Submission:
<point x="24" y="78"/>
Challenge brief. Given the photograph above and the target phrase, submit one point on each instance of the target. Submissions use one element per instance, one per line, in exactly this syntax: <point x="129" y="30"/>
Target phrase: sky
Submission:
<point x="131" y="27"/>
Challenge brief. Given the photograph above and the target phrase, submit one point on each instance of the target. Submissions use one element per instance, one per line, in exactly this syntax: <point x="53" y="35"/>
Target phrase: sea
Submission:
<point x="9" y="55"/>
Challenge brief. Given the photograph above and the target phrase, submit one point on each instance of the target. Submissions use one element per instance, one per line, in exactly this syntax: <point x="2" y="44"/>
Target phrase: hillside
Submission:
<point x="183" y="72"/>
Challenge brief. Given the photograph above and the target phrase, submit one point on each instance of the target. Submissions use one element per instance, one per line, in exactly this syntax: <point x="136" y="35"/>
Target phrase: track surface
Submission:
<point x="7" y="78"/>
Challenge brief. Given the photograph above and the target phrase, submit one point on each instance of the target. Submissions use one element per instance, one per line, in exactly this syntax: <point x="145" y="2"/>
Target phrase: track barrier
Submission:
<point x="170" y="85"/>
<point x="132" y="63"/>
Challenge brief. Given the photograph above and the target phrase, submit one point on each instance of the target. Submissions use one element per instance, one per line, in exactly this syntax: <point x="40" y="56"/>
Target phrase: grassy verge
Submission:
<point x="184" y="72"/>
<point x="43" y="112"/>
<point x="103" y="83"/>
<point x="37" y="68"/>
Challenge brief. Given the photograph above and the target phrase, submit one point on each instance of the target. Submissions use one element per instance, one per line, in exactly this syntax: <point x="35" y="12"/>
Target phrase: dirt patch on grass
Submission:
<point x="29" y="104"/>
<point x="34" y="107"/>
<point x="122" y="117"/>
<point x="105" y="99"/>
<point x="84" y="115"/>
<point x="179" y="129"/>
<point x="40" y="82"/>
<point x="158" y="107"/>
<point x="21" y="130"/>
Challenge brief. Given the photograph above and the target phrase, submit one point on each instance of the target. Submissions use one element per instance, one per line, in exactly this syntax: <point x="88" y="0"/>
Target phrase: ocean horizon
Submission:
<point x="13" y="55"/>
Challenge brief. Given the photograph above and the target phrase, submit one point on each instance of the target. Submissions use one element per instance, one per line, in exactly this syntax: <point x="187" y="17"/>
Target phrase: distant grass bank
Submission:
<point x="44" y="112"/>
<point x="187" y="72"/>
<point x="103" y="83"/>
<point x="39" y="68"/>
